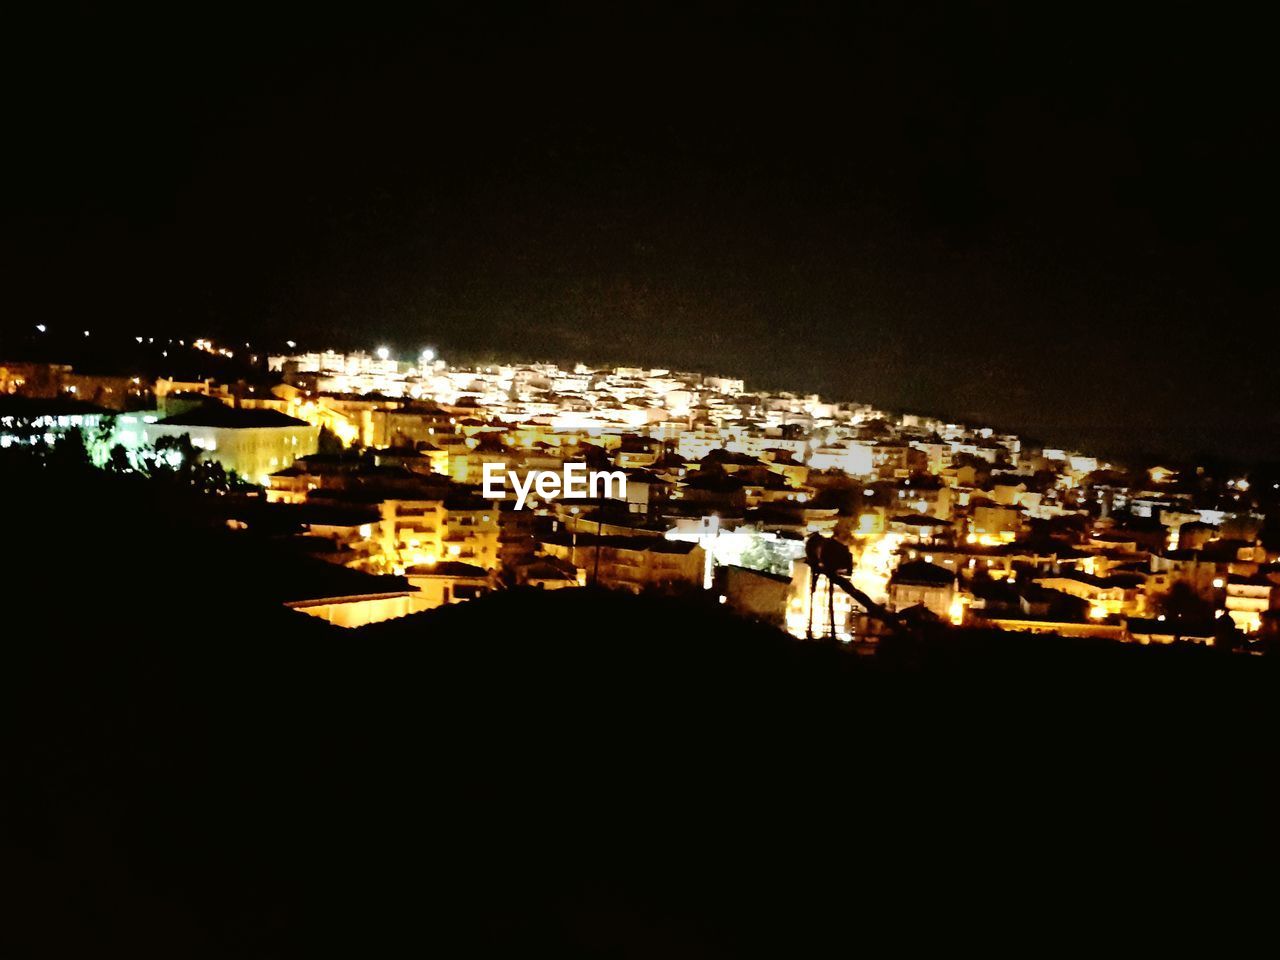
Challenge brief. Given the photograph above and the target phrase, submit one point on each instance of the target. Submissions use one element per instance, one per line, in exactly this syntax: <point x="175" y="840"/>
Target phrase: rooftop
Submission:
<point x="223" y="417"/>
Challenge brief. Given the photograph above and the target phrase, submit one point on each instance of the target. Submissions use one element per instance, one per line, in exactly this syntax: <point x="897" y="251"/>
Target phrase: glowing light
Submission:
<point x="876" y="563"/>
<point x="86" y="333"/>
<point x="290" y="344"/>
<point x="428" y="355"/>
<point x="41" y="327"/>
<point x="1098" y="612"/>
<point x="384" y="353"/>
<point x="1218" y="583"/>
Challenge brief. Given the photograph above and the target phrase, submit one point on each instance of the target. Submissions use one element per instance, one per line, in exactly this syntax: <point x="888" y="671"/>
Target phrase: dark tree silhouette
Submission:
<point x="1182" y="602"/>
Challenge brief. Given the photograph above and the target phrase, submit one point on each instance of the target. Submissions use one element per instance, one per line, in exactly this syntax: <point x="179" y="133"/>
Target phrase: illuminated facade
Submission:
<point x="253" y="443"/>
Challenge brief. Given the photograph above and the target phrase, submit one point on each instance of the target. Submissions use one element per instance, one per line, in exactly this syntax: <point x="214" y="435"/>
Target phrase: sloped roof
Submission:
<point x="923" y="574"/>
<point x="223" y="417"/>
<point x="447" y="568"/>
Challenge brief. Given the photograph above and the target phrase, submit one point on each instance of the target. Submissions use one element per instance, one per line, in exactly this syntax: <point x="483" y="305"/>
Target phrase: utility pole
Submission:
<point x="595" y="576"/>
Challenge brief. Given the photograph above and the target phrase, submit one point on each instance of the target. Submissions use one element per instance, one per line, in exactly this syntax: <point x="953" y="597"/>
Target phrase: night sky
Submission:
<point x="1049" y="219"/>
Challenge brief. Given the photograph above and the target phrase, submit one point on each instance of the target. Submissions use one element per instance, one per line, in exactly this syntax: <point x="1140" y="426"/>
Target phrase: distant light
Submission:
<point x="428" y="355"/>
<point x="139" y="339"/>
<point x="86" y="333"/>
<point x="41" y="327"/>
<point x="723" y="598"/>
<point x="384" y="353"/>
<point x="1218" y="583"/>
<point x="290" y="344"/>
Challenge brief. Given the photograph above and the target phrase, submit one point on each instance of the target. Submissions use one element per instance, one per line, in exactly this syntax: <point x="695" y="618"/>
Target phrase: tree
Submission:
<point x="98" y="438"/>
<point x="328" y="442"/>
<point x="118" y="461"/>
<point x="69" y="451"/>
<point x="1182" y="602"/>
<point x="174" y="459"/>
<point x="768" y="556"/>
<point x="1227" y="635"/>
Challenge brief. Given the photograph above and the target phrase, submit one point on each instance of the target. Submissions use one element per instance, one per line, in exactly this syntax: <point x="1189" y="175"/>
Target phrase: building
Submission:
<point x="919" y="583"/>
<point x="43" y="420"/>
<point x="448" y="581"/>
<point x="1115" y="594"/>
<point x="632" y="563"/>
<point x="547" y="573"/>
<point x="754" y="593"/>
<point x="253" y="443"/>
<point x="1247" y="599"/>
<point x="339" y="595"/>
<point x="470" y="531"/>
<point x="410" y="532"/>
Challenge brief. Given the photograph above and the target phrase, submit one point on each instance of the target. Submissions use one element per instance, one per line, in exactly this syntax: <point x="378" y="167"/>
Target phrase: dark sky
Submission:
<point x="1049" y="218"/>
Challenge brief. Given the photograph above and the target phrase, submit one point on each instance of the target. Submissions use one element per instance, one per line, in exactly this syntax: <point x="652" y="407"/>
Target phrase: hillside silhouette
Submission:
<point x="194" y="770"/>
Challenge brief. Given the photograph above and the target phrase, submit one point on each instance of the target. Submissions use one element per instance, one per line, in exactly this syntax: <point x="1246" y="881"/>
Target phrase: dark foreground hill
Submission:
<point x="192" y="770"/>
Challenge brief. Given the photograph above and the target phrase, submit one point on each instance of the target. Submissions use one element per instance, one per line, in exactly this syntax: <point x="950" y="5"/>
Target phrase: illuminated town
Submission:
<point x="707" y="481"/>
<point x="375" y="463"/>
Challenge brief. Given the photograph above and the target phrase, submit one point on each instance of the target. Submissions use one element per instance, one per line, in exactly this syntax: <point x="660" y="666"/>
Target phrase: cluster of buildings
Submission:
<point x="944" y="521"/>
